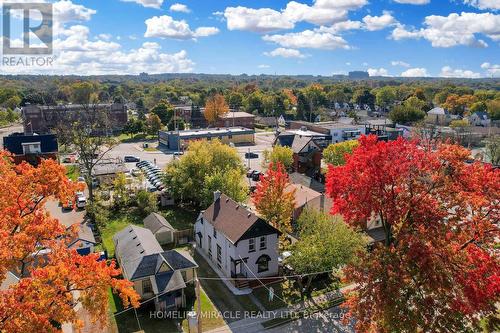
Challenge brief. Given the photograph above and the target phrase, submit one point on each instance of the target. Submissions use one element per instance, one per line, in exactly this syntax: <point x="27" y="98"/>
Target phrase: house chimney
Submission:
<point x="216" y="195"/>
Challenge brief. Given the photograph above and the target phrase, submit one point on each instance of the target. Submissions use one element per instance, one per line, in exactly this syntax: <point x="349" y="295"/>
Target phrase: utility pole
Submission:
<point x="198" y="300"/>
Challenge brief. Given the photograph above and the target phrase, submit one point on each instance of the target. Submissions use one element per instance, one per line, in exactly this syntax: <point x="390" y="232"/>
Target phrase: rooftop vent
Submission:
<point x="249" y="214"/>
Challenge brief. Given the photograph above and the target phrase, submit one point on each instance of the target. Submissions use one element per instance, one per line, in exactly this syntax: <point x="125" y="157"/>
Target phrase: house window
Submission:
<point x="263" y="263"/>
<point x="219" y="256"/>
<point x="251" y="245"/>
<point x="262" y="243"/>
<point x="31" y="148"/>
<point x="146" y="286"/>
<point x="215" y="233"/>
<point x="210" y="247"/>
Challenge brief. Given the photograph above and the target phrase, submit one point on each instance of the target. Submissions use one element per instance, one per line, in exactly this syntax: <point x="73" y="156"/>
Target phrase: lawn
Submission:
<point x="117" y="222"/>
<point x="135" y="138"/>
<point x="220" y="295"/>
<point x="287" y="293"/>
<point x="180" y="218"/>
<point x="73" y="172"/>
<point x="127" y="322"/>
<point x="209" y="318"/>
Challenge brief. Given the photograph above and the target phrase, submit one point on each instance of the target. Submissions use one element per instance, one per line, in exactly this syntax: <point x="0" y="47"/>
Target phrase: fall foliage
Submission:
<point x="273" y="200"/>
<point x="34" y="246"/>
<point x="437" y="270"/>
<point x="215" y="107"/>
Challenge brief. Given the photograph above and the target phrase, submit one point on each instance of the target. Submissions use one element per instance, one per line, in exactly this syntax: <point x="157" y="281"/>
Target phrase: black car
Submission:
<point x="256" y="176"/>
<point x="129" y="159"/>
<point x="250" y="173"/>
<point x="251" y="155"/>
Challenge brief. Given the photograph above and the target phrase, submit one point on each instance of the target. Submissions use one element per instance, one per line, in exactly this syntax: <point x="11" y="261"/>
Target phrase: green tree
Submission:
<point x="164" y="111"/>
<point x="153" y="124"/>
<point x="494" y="109"/>
<point x="325" y="243"/>
<point x="187" y="176"/>
<point x="385" y="97"/>
<point x="335" y="153"/>
<point x="228" y="182"/>
<point x="364" y="97"/>
<point x="120" y="191"/>
<point x="283" y="155"/>
<point x="147" y="202"/>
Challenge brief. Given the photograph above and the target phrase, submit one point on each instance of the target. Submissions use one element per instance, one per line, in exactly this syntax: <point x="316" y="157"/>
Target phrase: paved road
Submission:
<point x="66" y="217"/>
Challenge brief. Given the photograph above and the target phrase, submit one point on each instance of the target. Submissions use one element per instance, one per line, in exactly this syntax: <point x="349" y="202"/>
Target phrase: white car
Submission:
<point x="81" y="200"/>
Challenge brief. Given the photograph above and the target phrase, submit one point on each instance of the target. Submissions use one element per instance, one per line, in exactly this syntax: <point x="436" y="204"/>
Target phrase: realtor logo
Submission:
<point x="36" y="28"/>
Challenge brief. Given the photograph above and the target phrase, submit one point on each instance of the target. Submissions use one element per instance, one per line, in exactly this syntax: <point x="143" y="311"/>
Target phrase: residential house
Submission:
<point x="237" y="243"/>
<point x="306" y="197"/>
<point x="306" y="154"/>
<point x="154" y="272"/>
<point x="334" y="130"/>
<point x="84" y="242"/>
<point x="480" y="118"/>
<point x="106" y="170"/>
<point x="163" y="231"/>
<point x="438" y="116"/>
<point x="31" y="148"/>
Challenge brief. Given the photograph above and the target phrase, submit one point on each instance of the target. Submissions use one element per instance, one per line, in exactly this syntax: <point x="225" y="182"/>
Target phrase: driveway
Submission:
<point x="66" y="217"/>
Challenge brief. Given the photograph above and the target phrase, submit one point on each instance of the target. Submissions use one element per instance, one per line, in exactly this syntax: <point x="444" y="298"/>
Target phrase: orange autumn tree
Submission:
<point x="215" y="107"/>
<point x="50" y="278"/>
<point x="438" y="268"/>
<point x="273" y="198"/>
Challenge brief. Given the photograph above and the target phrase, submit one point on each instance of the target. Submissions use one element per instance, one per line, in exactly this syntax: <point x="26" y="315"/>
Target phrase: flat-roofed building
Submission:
<point x="180" y="140"/>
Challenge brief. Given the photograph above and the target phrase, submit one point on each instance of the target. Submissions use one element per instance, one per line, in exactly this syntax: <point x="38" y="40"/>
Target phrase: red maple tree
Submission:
<point x="274" y="200"/>
<point x="437" y="270"/>
<point x="51" y="279"/>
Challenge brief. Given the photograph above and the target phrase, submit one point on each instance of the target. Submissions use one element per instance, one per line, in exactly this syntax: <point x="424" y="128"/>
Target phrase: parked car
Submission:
<point x="81" y="179"/>
<point x="135" y="172"/>
<point x="151" y="188"/>
<point x="251" y="155"/>
<point x="250" y="173"/>
<point x="142" y="163"/>
<point x="67" y="205"/>
<point x="178" y="153"/>
<point x="81" y="200"/>
<point x="129" y="159"/>
<point x="256" y="176"/>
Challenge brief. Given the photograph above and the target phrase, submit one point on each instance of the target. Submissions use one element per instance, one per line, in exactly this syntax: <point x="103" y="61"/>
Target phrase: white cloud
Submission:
<point x="263" y="66"/>
<point x="148" y="3"/>
<point x="341" y="26"/>
<point x="413" y="2"/>
<point x="105" y="37"/>
<point x="263" y="20"/>
<point x="256" y="20"/>
<point x="378" y="72"/>
<point x="415" y="72"/>
<point x="179" y="7"/>
<point x="492" y="70"/>
<point x="373" y="23"/>
<point x="166" y="27"/>
<point x="66" y="11"/>
<point x="309" y="39"/>
<point x="454" y="29"/>
<point x="484" y="4"/>
<point x="285" y="53"/>
<point x="400" y="63"/>
<point x="447" y="71"/>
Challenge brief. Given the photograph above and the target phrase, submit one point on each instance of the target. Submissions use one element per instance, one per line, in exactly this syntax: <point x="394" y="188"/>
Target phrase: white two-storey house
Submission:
<point x="238" y="243"/>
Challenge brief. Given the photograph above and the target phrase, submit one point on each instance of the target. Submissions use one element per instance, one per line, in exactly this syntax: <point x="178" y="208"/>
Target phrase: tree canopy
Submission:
<point x="437" y="269"/>
<point x="335" y="153"/>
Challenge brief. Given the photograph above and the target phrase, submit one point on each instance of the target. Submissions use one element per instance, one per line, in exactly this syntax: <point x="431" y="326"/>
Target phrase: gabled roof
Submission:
<point x="303" y="194"/>
<point x="300" y="142"/>
<point x="298" y="178"/>
<point x="235" y="221"/>
<point x="482" y="115"/>
<point x="156" y="222"/>
<point x="438" y="111"/>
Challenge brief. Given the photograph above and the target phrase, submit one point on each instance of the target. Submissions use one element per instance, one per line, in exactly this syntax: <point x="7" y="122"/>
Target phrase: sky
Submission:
<point x="409" y="38"/>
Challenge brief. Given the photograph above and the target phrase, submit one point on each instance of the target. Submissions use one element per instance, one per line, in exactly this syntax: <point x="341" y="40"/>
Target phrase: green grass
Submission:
<point x="219" y="294"/>
<point x="180" y="218"/>
<point x="117" y="222"/>
<point x="301" y="314"/>
<point x="287" y="293"/>
<point x="73" y="172"/>
<point x="209" y="319"/>
<point x="135" y="138"/>
<point x="127" y="322"/>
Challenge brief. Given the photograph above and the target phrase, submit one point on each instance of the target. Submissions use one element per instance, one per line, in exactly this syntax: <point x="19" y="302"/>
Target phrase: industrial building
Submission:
<point x="179" y="140"/>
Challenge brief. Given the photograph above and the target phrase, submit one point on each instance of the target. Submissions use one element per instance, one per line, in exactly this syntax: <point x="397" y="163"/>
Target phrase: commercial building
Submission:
<point x="31" y="148"/>
<point x="236" y="119"/>
<point x="43" y="118"/>
<point x="179" y="140"/>
<point x="336" y="131"/>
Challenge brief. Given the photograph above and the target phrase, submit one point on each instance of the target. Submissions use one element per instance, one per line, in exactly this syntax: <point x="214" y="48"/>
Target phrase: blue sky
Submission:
<point x="452" y="38"/>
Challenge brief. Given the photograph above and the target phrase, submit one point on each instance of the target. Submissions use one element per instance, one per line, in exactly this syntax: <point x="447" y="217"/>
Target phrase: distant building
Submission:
<point x="106" y="170"/>
<point x="335" y="131"/>
<point x="236" y="119"/>
<point x="480" y="118"/>
<point x="438" y="116"/>
<point x="179" y="140"/>
<point x="31" y="148"/>
<point x="43" y="118"/>
<point x="359" y="75"/>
